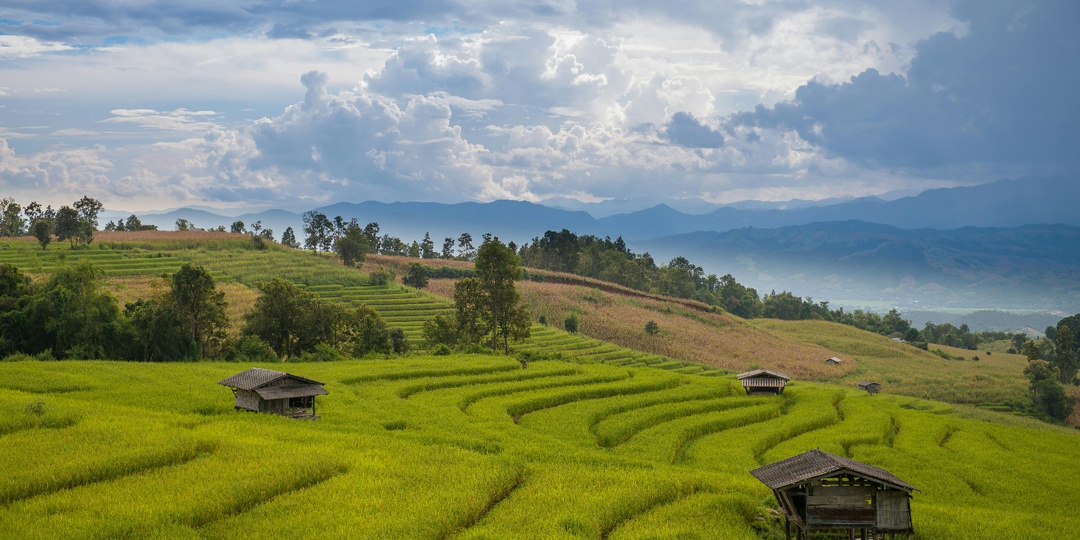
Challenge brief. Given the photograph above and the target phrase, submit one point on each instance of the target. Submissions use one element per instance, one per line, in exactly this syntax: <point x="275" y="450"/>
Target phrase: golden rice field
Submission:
<point x="474" y="447"/>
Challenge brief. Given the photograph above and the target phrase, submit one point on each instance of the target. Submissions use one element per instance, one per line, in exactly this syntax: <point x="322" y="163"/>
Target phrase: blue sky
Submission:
<point x="294" y="104"/>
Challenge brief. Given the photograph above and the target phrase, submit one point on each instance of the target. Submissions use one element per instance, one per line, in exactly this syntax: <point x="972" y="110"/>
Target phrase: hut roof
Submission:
<point x="257" y="377"/>
<point x="863" y="384"/>
<point x="765" y="372"/>
<point x="817" y="463"/>
<point x="836" y="359"/>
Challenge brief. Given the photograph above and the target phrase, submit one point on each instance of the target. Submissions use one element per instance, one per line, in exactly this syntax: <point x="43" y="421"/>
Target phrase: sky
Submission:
<point x="299" y="103"/>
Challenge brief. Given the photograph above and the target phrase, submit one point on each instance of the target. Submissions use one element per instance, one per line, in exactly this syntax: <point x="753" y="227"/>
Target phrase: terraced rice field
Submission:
<point x="471" y="447"/>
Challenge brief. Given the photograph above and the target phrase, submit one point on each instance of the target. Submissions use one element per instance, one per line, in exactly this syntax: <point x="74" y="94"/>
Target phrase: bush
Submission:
<point x="322" y="353"/>
<point x="441" y="350"/>
<point x="381" y="278"/>
<point x="253" y="349"/>
<point x="398" y="342"/>
<point x="258" y="243"/>
<point x="571" y="323"/>
<point x="652" y="328"/>
<point x="543" y="320"/>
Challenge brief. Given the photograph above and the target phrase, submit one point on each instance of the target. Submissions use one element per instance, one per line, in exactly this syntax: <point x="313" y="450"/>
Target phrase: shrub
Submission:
<point x="441" y="350"/>
<point x="253" y="349"/>
<point x="258" y="243"/>
<point x="398" y="342"/>
<point x="381" y="278"/>
<point x="652" y="328"/>
<point x="571" y="323"/>
<point x="543" y="320"/>
<point x="322" y="353"/>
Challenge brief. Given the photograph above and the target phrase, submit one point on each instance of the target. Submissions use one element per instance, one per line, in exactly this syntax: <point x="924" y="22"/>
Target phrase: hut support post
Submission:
<point x="787" y="528"/>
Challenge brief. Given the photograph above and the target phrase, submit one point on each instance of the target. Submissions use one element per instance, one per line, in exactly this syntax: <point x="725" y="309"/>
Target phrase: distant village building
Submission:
<point x="819" y="491"/>
<point x="275" y="392"/>
<point x="834" y="361"/>
<point x="870" y="387"/>
<point x="763" y="382"/>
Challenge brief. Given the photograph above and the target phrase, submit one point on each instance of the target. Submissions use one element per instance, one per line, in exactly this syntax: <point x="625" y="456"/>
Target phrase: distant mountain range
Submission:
<point x="856" y="263"/>
<point x="868" y="253"/>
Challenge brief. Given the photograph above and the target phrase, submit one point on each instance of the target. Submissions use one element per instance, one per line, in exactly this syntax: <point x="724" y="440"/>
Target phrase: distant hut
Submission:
<point x="275" y="392"/>
<point x="821" y="491"/>
<point x="870" y="387"/>
<point x="834" y="361"/>
<point x="763" y="382"/>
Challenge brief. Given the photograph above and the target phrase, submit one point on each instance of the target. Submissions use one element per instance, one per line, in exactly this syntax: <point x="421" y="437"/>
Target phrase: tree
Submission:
<point x="257" y="228"/>
<point x="42" y="230"/>
<point x="353" y="246"/>
<point x="183" y="225"/>
<point x="448" y="248"/>
<point x="1065" y="354"/>
<point x="288" y="238"/>
<point x="427" y="247"/>
<point x="66" y="225"/>
<point x="497" y="268"/>
<point x="89" y="208"/>
<point x="371" y="231"/>
<point x="317" y="229"/>
<point x="441" y="330"/>
<point x="237" y="227"/>
<point x="465" y="246"/>
<point x="281" y="317"/>
<point x="415" y="276"/>
<point x="470" y="304"/>
<point x="11" y="223"/>
<point x="366" y="332"/>
<point x="200" y="305"/>
<point x="1031" y="351"/>
<point x="1051" y="400"/>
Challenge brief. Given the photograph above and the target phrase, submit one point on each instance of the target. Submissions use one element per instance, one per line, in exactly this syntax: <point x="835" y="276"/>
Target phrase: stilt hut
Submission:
<point x="870" y="387"/>
<point x="275" y="392"/>
<point x="821" y="491"/>
<point x="763" y="382"/>
<point x="834" y="361"/>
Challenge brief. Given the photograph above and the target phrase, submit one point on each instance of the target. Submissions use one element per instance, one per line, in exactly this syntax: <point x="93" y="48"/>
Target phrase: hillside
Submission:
<point x="471" y="447"/>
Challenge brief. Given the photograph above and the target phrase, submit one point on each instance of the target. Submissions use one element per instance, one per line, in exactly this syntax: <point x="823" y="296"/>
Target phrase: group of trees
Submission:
<point x="132" y="223"/>
<point x="487" y="306"/>
<point x="71" y="316"/>
<point x="293" y="321"/>
<point x="75" y="223"/>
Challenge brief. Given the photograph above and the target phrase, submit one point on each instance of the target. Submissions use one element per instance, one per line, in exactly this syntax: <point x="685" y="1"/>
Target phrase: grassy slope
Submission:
<point x="475" y="447"/>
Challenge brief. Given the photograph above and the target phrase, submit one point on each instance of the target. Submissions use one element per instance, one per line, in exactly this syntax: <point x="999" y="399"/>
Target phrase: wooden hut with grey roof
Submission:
<point x="275" y="392"/>
<point x="763" y="382"/>
<point x="821" y="491"/>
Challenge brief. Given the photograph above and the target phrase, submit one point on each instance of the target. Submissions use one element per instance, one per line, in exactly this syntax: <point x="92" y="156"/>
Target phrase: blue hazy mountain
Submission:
<point x="1006" y="203"/>
<point x="856" y="263"/>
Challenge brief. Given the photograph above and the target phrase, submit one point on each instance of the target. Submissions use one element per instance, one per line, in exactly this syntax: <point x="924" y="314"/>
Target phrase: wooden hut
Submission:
<point x="870" y="387"/>
<point x="819" y="491"/>
<point x="275" y="392"/>
<point x="763" y="382"/>
<point x="834" y="361"/>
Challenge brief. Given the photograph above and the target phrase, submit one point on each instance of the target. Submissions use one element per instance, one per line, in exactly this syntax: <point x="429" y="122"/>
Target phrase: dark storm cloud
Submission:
<point x="1003" y="93"/>
<point x="685" y="130"/>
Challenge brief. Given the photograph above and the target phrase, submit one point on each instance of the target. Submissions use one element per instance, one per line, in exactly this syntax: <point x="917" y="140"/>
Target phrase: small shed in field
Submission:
<point x="275" y="392"/>
<point x="834" y="361"/>
<point x="763" y="382"/>
<point x="870" y="387"/>
<point x="819" y="491"/>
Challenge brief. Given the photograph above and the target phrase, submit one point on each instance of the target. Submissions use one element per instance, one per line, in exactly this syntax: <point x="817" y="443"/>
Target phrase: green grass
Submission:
<point x="557" y="450"/>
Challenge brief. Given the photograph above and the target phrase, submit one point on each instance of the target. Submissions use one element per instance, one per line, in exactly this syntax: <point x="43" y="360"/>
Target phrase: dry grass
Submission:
<point x="157" y="236"/>
<point x="713" y="339"/>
